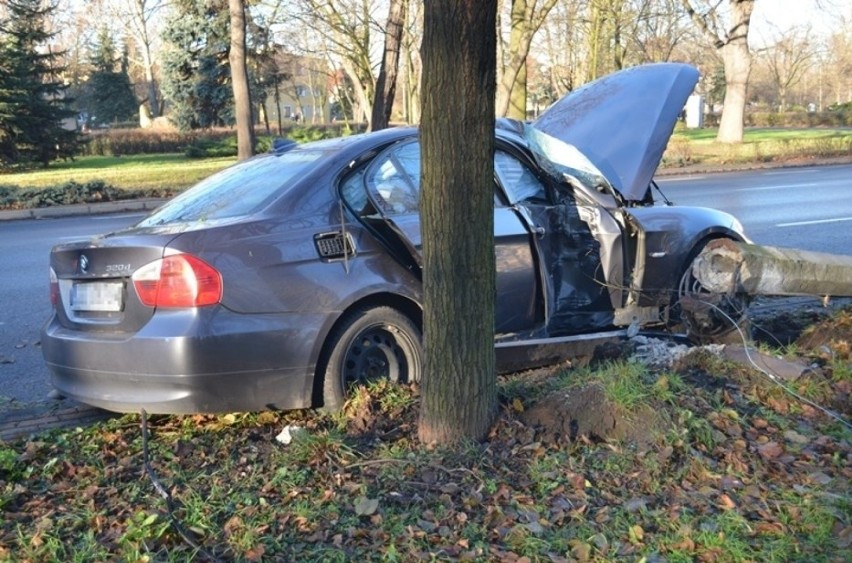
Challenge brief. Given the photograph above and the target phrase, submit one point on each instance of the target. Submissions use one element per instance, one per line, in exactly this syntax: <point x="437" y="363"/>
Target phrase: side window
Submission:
<point x="352" y="191"/>
<point x="393" y="180"/>
<point x="518" y="181"/>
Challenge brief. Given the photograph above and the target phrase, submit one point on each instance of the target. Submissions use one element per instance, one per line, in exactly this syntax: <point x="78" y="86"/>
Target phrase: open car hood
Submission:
<point x="621" y="123"/>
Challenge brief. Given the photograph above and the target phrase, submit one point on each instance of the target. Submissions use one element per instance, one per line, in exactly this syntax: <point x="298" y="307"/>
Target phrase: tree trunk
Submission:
<point x="363" y="93"/>
<point x="386" y="82"/>
<point x="153" y="102"/>
<point x="459" y="393"/>
<point x="239" y="80"/>
<point x="737" y="61"/>
<point x="518" y="98"/>
<point x="733" y="47"/>
<point x="526" y="19"/>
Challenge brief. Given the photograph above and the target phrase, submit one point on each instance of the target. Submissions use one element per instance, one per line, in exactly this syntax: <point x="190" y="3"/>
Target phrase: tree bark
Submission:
<point x="459" y="394"/>
<point x="386" y="81"/>
<point x="737" y="60"/>
<point x="239" y="80"/>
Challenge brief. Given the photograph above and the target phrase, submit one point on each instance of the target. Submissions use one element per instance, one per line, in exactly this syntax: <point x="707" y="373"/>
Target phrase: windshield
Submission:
<point x="238" y="190"/>
<point x="563" y="161"/>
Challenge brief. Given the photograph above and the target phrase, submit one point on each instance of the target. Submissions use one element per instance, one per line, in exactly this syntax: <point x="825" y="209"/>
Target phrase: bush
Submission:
<point x="117" y="142"/>
<point x="829" y="118"/>
<point x="197" y="144"/>
<point x="14" y="197"/>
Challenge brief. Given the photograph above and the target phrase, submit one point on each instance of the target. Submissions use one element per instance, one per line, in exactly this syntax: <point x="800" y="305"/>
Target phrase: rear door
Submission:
<point x="392" y="185"/>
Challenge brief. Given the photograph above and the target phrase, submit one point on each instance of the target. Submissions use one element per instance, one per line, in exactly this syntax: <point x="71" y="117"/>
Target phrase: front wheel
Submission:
<point x="709" y="317"/>
<point x="371" y="344"/>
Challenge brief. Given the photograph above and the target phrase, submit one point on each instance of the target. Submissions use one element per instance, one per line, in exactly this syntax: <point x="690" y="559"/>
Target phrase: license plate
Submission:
<point x="96" y="296"/>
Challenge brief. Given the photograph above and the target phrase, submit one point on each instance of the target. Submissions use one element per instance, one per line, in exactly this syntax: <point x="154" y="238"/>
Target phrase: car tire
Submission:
<point x="371" y="344"/>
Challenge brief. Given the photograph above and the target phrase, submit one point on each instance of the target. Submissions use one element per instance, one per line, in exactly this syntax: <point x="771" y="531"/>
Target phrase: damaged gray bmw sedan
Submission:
<point x="283" y="280"/>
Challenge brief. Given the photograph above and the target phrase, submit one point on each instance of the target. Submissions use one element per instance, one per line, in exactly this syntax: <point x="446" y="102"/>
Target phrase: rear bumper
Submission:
<point x="189" y="361"/>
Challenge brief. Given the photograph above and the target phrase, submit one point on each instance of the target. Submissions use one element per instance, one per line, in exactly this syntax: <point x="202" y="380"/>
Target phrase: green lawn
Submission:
<point x="699" y="146"/>
<point x="137" y="172"/>
<point x="763" y="134"/>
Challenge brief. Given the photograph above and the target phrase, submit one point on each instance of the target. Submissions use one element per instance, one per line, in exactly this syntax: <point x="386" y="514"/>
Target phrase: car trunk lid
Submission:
<point x="93" y="290"/>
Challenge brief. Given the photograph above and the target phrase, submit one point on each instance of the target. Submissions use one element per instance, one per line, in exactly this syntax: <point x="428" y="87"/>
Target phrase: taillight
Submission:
<point x="54" y="288"/>
<point x="181" y="280"/>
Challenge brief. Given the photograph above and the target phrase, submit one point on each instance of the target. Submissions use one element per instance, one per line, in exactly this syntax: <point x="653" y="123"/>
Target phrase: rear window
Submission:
<point x="238" y="190"/>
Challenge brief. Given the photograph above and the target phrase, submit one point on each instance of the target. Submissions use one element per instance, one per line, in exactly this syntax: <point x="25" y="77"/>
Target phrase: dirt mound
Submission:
<point x="830" y="338"/>
<point x="586" y="413"/>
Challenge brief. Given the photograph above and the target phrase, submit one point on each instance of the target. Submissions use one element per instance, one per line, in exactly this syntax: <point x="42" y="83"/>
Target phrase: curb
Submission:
<point x="35" y="418"/>
<point x="82" y="209"/>
<point x="747" y="166"/>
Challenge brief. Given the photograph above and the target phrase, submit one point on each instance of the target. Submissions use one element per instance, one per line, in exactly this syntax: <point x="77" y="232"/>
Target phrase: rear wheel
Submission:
<point x="369" y="345"/>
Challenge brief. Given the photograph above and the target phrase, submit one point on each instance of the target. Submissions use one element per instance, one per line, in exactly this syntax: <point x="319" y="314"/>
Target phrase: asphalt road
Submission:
<point x="24" y="295"/>
<point x="808" y="208"/>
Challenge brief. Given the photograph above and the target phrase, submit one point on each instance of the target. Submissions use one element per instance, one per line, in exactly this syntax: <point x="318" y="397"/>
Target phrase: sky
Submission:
<point x="773" y="16"/>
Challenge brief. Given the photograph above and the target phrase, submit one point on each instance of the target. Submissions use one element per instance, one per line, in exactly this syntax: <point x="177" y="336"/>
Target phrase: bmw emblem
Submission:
<point x="84" y="263"/>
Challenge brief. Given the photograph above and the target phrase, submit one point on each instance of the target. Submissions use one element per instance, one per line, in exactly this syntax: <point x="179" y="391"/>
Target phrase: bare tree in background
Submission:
<point x="346" y="28"/>
<point x="459" y="389"/>
<point x="386" y="81"/>
<point x="526" y="17"/>
<point x="838" y="73"/>
<point x="410" y="54"/>
<point x="788" y="60"/>
<point x="137" y="17"/>
<point x="661" y="29"/>
<point x="729" y="35"/>
<point x="239" y="80"/>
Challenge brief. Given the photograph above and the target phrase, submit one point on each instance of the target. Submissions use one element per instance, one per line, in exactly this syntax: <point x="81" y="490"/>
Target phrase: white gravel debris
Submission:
<point x="657" y="353"/>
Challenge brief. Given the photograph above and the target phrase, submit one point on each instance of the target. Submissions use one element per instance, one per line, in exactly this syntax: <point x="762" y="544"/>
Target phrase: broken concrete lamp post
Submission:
<point x="727" y="273"/>
<point x="725" y="266"/>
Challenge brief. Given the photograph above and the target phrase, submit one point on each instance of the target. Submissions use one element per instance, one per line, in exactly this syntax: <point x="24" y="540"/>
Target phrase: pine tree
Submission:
<point x="108" y="96"/>
<point x="32" y="97"/>
<point x="196" y="74"/>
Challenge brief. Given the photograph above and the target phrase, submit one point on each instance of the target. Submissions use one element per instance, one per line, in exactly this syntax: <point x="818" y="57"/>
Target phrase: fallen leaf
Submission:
<point x="844" y="537"/>
<point x="234" y="523"/>
<point x="770" y="450"/>
<point x="795" y="437"/>
<point x="582" y="551"/>
<point x="820" y="478"/>
<point x="769" y="528"/>
<point x="267" y="417"/>
<point x="255" y="554"/>
<point x="636" y="533"/>
<point x="686" y="545"/>
<point x="726" y="503"/>
<point x="366" y="506"/>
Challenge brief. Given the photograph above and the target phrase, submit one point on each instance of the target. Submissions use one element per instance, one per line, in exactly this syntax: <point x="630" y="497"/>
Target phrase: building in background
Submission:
<point x="297" y="90"/>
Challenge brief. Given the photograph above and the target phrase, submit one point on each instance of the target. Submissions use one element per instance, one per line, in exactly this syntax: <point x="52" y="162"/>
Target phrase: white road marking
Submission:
<point x="111" y="217"/>
<point x="815" y="222"/>
<point x="778" y="187"/>
<point x="676" y="178"/>
<point x="788" y="171"/>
